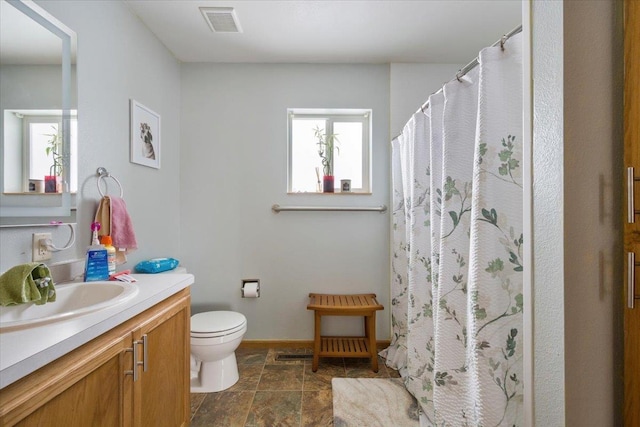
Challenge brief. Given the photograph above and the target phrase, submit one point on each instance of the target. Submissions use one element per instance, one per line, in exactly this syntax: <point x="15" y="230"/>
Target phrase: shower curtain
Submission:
<point x="457" y="248"/>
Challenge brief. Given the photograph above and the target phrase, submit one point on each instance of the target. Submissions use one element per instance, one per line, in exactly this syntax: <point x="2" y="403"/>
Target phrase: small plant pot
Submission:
<point x="51" y="183"/>
<point x="327" y="184"/>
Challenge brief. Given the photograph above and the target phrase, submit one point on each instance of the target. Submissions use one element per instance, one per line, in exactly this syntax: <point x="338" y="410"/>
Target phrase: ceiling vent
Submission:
<point x="221" y="19"/>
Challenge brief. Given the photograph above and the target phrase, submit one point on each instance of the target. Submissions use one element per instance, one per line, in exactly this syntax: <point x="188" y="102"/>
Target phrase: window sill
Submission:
<point x="337" y="193"/>
<point x="32" y="193"/>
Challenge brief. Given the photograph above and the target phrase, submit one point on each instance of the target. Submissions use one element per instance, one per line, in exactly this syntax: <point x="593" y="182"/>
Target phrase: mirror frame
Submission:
<point x="68" y="38"/>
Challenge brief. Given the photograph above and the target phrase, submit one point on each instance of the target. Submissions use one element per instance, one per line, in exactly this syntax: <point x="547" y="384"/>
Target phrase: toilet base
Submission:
<point x="215" y="376"/>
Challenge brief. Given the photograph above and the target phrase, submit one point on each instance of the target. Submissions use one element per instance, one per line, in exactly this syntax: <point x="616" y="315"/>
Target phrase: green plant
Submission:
<point x="54" y="148"/>
<point x="327" y="143"/>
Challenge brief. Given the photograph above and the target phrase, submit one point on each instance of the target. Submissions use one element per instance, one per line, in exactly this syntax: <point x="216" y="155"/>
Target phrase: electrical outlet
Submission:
<point x="38" y="251"/>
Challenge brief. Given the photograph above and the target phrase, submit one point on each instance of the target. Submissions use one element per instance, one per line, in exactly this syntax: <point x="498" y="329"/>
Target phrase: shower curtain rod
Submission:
<point x="473" y="64"/>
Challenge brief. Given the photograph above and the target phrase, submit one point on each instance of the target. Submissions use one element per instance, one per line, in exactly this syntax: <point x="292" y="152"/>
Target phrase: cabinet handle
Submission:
<point x="136" y="362"/>
<point x="631" y="279"/>
<point x="133" y="372"/>
<point x="144" y="353"/>
<point x="631" y="205"/>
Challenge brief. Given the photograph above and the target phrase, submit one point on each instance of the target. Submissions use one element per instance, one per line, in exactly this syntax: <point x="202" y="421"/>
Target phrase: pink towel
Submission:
<point x="122" y="232"/>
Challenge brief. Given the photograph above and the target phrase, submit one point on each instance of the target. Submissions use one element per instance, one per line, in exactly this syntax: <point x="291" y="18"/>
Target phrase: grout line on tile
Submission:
<point x="246" y="417"/>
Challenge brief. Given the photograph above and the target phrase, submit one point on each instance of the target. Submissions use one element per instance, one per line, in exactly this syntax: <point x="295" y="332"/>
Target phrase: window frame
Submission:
<point x="334" y="115"/>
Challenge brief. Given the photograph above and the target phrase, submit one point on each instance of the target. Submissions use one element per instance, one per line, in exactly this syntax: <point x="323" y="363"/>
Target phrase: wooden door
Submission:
<point x="162" y="391"/>
<point x="632" y="229"/>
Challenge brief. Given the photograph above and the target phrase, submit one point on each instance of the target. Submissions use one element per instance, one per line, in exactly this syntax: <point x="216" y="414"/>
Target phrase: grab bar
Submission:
<point x="381" y="209"/>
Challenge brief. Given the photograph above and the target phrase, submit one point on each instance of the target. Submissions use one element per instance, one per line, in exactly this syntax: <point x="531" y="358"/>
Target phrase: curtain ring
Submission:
<point x="458" y="75"/>
<point x="503" y="40"/>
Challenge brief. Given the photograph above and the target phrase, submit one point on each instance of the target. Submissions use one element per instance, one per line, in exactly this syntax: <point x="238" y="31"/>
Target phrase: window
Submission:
<point x="352" y="152"/>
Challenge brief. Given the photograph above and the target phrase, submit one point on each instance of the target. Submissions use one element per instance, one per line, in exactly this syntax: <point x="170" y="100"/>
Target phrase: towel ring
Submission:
<point x="102" y="173"/>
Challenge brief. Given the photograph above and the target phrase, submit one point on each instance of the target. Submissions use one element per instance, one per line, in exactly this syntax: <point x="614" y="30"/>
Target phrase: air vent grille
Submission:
<point x="221" y="19"/>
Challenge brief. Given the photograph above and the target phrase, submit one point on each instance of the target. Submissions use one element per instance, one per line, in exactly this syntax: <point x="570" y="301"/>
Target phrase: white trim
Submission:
<point x="527" y="209"/>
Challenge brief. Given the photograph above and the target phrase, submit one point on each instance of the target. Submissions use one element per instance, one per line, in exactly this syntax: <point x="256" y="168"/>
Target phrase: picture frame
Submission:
<point x="145" y="136"/>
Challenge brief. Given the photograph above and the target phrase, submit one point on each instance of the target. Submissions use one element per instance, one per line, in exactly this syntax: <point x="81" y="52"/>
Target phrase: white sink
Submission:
<point x="73" y="299"/>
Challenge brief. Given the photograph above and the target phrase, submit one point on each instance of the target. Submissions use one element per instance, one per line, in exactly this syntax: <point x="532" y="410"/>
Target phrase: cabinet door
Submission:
<point x="86" y="389"/>
<point x="162" y="390"/>
<point x="632" y="229"/>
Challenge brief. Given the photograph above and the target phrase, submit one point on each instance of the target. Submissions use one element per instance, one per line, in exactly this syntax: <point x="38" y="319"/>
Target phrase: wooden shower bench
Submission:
<point x="364" y="305"/>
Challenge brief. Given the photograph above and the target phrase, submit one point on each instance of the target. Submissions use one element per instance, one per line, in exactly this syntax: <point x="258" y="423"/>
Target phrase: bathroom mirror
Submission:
<point x="38" y="117"/>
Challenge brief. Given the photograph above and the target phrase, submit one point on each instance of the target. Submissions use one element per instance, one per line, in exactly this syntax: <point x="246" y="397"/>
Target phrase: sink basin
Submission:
<point x="73" y="299"/>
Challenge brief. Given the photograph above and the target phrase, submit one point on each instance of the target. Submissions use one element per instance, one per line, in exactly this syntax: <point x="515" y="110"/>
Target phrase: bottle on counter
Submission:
<point x="111" y="253"/>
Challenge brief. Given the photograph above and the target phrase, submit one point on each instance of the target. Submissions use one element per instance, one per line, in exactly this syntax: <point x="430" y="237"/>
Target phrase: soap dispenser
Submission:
<point x="96" y="265"/>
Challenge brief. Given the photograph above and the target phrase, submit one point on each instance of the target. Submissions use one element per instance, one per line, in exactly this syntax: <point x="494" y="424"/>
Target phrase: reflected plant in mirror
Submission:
<point x="54" y="149"/>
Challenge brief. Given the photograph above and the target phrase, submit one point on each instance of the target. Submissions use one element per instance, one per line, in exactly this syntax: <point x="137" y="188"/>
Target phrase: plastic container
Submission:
<point x="96" y="267"/>
<point x="157" y="265"/>
<point x="111" y="253"/>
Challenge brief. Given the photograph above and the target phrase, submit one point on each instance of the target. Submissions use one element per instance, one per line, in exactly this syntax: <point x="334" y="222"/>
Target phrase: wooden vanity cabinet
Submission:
<point x="94" y="384"/>
<point x="162" y="393"/>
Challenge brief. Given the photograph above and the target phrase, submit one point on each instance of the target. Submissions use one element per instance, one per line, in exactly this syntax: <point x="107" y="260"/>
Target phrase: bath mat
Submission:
<point x="373" y="402"/>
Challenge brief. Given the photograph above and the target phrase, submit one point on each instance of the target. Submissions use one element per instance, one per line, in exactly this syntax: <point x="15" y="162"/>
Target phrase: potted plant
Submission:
<point x="327" y="143"/>
<point x="52" y="181"/>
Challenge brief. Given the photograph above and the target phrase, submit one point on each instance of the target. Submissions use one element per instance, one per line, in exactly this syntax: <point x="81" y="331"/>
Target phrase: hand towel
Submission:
<point x="122" y="233"/>
<point x="24" y="283"/>
<point x="103" y="216"/>
<point x="115" y="222"/>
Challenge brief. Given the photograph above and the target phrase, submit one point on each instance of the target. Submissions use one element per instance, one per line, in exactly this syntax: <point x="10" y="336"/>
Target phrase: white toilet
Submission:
<point x="215" y="335"/>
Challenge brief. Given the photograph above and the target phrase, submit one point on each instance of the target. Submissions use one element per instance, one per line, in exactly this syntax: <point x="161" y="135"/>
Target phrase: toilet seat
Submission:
<point x="216" y="324"/>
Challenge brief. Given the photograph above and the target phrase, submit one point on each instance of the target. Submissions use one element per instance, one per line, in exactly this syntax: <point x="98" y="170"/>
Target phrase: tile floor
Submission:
<point x="274" y="392"/>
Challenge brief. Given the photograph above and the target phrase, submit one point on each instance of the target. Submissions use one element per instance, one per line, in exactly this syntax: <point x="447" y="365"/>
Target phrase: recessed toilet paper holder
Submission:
<point x="251" y="282"/>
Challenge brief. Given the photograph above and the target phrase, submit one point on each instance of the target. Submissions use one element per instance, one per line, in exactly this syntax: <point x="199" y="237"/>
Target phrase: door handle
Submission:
<point x="631" y="279"/>
<point x="631" y="205"/>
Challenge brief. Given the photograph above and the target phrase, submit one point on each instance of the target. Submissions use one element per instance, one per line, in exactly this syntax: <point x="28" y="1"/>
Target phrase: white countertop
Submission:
<point x="24" y="351"/>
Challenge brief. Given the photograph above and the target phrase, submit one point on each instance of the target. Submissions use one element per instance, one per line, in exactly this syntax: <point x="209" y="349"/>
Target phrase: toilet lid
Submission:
<point x="216" y="321"/>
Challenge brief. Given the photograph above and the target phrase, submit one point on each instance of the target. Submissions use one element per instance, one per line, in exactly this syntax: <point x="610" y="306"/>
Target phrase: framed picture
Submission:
<point x="145" y="136"/>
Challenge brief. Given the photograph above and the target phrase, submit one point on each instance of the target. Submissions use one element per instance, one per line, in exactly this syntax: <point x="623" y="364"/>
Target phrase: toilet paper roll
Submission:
<point x="251" y="290"/>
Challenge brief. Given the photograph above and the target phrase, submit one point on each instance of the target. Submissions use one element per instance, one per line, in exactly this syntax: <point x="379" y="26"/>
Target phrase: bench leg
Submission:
<point x="316" y="341"/>
<point x="370" y="332"/>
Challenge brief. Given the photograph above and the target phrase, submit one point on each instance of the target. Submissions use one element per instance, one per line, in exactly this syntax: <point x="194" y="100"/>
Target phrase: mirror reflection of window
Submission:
<point x="33" y="130"/>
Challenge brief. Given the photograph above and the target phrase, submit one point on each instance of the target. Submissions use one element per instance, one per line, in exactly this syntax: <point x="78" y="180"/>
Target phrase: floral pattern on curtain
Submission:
<point x="457" y="248"/>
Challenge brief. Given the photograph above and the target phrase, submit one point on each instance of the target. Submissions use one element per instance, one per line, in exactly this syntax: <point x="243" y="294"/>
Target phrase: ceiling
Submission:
<point x="332" y="31"/>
